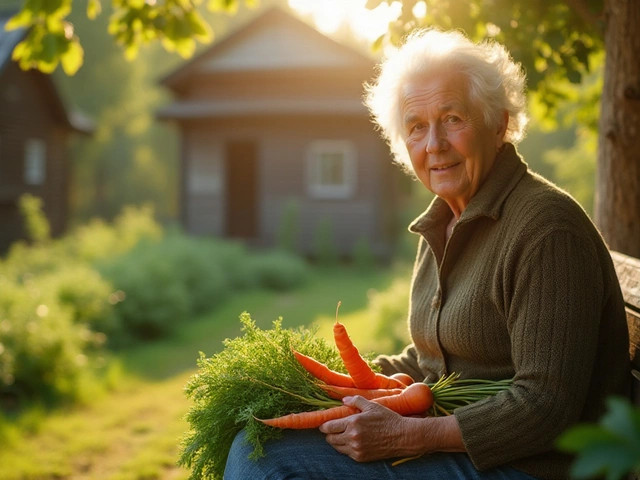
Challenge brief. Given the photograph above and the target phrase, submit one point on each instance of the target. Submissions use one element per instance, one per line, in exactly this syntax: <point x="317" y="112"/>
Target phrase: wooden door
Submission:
<point x="241" y="189"/>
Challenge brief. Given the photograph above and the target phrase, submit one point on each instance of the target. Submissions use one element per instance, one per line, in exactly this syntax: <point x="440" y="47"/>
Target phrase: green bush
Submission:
<point x="389" y="311"/>
<point x="98" y="240"/>
<point x="153" y="300"/>
<point x="36" y="223"/>
<point x="325" y="251"/>
<point x="167" y="282"/>
<point x="83" y="245"/>
<point x="279" y="270"/>
<point x="289" y="228"/>
<point x="362" y="255"/>
<point x="43" y="352"/>
<point x="86" y="294"/>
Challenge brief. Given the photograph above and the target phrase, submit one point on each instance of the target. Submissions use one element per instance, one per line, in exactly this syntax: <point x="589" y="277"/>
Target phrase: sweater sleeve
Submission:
<point x="553" y="302"/>
<point x="406" y="362"/>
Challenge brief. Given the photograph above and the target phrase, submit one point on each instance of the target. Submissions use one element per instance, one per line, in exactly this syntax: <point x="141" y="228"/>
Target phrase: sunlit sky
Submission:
<point x="330" y="15"/>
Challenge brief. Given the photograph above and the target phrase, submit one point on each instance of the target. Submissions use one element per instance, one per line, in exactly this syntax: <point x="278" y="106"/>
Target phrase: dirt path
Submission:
<point x="129" y="434"/>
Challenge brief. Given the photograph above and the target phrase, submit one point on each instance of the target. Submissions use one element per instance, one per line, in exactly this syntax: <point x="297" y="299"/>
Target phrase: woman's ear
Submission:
<point x="502" y="129"/>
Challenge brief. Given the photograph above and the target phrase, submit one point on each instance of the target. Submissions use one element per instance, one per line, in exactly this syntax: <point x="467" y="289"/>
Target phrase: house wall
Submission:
<point x="282" y="149"/>
<point x="26" y="111"/>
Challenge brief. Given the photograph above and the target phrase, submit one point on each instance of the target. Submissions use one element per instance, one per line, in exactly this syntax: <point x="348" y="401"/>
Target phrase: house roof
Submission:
<point x="274" y="40"/>
<point x="8" y="40"/>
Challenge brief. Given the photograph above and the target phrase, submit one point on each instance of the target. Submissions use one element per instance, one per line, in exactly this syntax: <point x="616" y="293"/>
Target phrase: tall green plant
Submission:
<point x="36" y="223"/>
<point x="325" y="251"/>
<point x="289" y="228"/>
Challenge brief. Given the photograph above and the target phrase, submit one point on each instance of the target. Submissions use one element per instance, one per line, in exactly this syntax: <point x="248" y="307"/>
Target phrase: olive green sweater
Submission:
<point x="525" y="289"/>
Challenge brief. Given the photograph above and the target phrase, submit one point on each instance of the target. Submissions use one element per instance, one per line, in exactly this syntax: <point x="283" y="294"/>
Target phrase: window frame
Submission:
<point x="35" y="161"/>
<point x="315" y="187"/>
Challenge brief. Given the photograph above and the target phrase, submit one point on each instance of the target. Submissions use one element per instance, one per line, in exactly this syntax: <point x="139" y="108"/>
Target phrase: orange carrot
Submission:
<point x="389" y="382"/>
<point x="299" y="421"/>
<point x="416" y="399"/>
<point x="413" y="400"/>
<point x="358" y="368"/>
<point x="368" y="393"/>
<point x="322" y="372"/>
<point x="404" y="378"/>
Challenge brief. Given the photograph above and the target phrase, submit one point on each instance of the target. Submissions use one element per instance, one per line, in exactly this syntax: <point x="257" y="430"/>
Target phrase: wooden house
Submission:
<point x="271" y="116"/>
<point x="34" y="134"/>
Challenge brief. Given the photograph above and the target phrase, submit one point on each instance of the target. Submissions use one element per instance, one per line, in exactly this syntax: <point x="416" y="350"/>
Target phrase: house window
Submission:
<point x="34" y="161"/>
<point x="331" y="169"/>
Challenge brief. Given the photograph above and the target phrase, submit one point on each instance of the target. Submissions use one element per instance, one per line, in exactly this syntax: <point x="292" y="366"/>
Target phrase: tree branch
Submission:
<point x="584" y="12"/>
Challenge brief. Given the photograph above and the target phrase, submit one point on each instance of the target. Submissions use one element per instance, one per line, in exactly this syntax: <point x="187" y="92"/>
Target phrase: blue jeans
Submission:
<point x="305" y="455"/>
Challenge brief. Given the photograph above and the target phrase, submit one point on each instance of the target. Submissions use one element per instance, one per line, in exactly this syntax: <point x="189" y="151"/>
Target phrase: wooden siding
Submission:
<point x="27" y="111"/>
<point x="282" y="148"/>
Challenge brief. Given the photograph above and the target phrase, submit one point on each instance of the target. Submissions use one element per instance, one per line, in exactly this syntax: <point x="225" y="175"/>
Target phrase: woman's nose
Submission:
<point x="436" y="140"/>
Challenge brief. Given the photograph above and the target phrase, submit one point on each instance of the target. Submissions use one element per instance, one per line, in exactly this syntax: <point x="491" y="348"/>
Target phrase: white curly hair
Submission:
<point x="496" y="83"/>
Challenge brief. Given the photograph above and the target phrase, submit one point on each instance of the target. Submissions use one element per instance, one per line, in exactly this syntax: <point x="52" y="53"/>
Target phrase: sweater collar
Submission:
<point x="488" y="201"/>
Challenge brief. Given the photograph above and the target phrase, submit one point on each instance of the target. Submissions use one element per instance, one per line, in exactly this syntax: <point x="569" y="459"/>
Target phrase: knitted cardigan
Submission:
<point x="524" y="288"/>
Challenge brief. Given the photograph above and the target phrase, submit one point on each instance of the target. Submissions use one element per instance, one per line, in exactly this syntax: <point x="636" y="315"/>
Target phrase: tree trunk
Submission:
<point x="617" y="203"/>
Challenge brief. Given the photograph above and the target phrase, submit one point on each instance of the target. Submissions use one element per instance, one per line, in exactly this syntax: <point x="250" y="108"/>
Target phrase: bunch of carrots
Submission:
<point x="294" y="379"/>
<point x="398" y="392"/>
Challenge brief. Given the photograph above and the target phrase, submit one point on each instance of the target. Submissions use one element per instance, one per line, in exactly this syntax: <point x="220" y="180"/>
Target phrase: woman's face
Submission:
<point x="451" y="148"/>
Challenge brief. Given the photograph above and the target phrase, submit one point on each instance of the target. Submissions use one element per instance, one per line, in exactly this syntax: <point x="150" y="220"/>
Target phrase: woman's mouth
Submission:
<point x="444" y="168"/>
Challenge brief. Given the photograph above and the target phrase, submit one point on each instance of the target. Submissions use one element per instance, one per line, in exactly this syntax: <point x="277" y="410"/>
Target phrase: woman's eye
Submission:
<point x="417" y="126"/>
<point x="453" y="119"/>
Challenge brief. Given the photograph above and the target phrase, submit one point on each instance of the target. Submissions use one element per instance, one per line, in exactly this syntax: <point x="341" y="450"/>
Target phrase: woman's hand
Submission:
<point x="378" y="433"/>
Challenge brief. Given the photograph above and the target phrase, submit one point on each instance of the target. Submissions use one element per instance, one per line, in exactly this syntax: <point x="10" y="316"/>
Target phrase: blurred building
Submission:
<point x="35" y="128"/>
<point x="270" y="117"/>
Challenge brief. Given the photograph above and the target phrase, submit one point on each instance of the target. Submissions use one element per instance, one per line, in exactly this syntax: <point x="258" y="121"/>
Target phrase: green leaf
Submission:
<point x="581" y="437"/>
<point x="601" y="459"/>
<point x="22" y="19"/>
<point x="21" y="50"/>
<point x="72" y="59"/>
<point x="574" y="76"/>
<point x="199" y="28"/>
<point x="50" y="48"/>
<point x="622" y="419"/>
<point x="229" y="6"/>
<point x="612" y="447"/>
<point x="94" y="8"/>
<point x="185" y="47"/>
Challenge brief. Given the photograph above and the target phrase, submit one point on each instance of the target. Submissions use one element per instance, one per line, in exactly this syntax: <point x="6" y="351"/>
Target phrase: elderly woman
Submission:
<point x="511" y="280"/>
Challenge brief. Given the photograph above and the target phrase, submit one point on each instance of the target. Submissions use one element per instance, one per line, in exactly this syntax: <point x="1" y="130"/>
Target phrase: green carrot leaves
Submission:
<point x="255" y="376"/>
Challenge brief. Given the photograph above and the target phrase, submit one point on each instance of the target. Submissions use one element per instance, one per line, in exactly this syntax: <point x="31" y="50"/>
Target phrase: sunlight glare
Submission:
<point x="330" y="15"/>
<point x="419" y="9"/>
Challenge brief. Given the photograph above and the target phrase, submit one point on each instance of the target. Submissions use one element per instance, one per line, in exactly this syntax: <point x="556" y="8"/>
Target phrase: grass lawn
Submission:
<point x="133" y="431"/>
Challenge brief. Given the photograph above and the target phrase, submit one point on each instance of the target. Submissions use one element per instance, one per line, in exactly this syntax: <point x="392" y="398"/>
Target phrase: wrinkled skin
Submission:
<point x="379" y="433"/>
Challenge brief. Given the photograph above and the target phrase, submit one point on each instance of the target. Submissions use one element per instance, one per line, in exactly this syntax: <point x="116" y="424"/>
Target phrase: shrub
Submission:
<point x="97" y="239"/>
<point x="325" y="251"/>
<point x="389" y="311"/>
<point x="279" y="270"/>
<point x="36" y="223"/>
<point x="153" y="299"/>
<point x="167" y="282"/>
<point x="86" y="294"/>
<point x="289" y="228"/>
<point x="362" y="255"/>
<point x="43" y="351"/>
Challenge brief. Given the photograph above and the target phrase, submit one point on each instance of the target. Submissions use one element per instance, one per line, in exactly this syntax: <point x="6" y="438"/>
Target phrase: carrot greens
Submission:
<point x="255" y="376"/>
